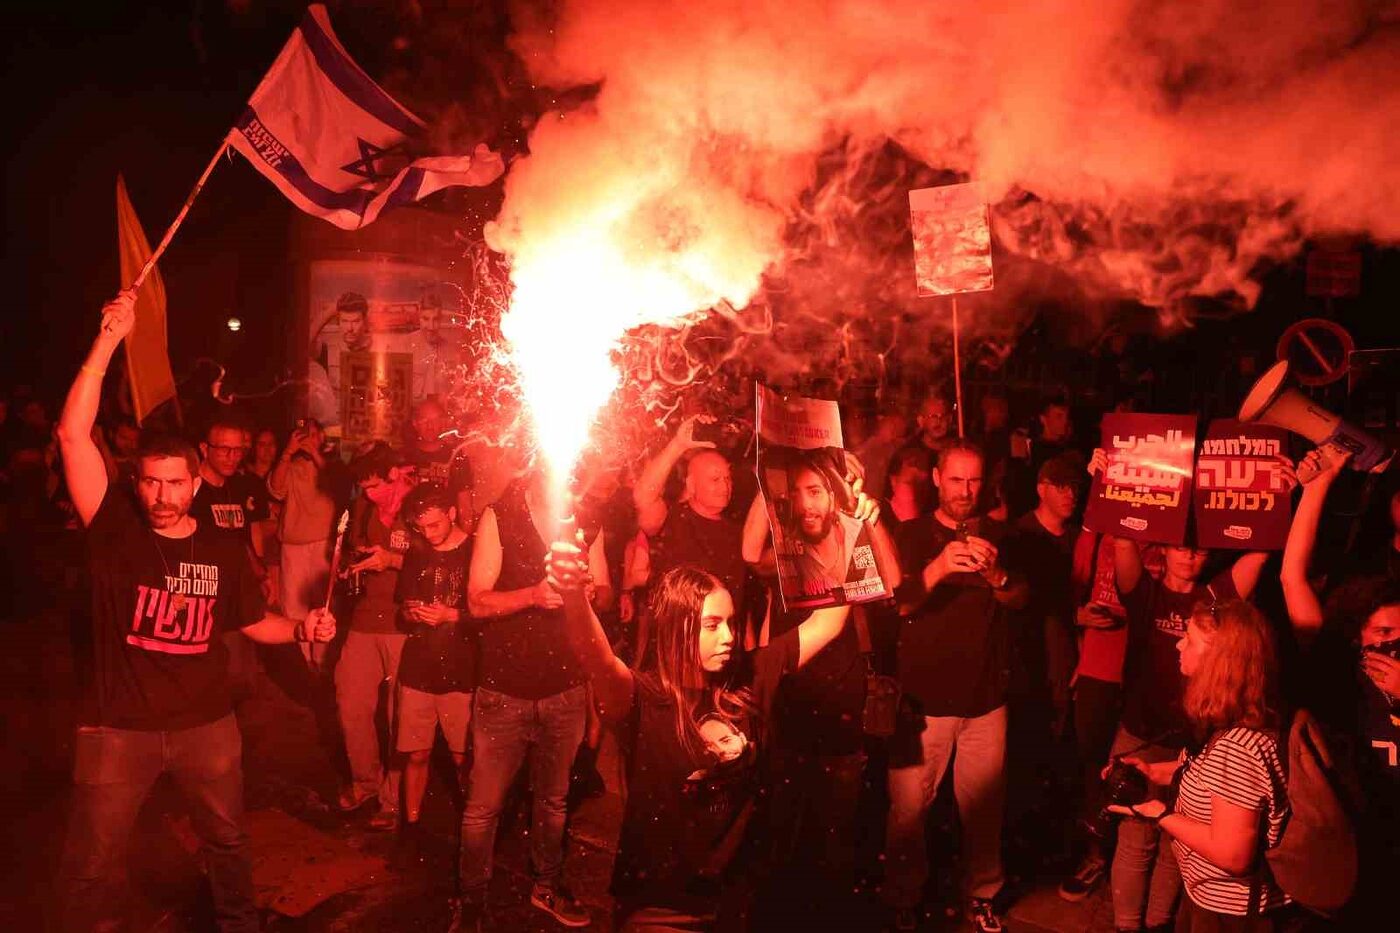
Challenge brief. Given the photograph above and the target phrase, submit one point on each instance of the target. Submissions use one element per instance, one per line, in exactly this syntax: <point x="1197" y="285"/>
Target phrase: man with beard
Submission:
<point x="825" y="538"/>
<point x="817" y="756"/>
<point x="164" y="585"/>
<point x="954" y="660"/>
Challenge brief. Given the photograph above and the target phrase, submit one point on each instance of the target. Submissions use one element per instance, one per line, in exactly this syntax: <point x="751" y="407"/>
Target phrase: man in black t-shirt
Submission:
<point x="531" y="698"/>
<point x="227" y="497"/>
<point x="1042" y="544"/>
<point x="158" y="702"/>
<point x="954" y="665"/>
<point x="441" y="463"/>
<point x="437" y="670"/>
<point x="817" y="758"/>
<point x="231" y="500"/>
<point x="697" y="530"/>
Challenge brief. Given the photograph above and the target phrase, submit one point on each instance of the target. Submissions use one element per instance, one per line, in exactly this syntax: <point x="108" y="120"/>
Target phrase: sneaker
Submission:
<point x="1082" y="883"/>
<point x="385" y="821"/>
<point x="347" y="802"/>
<point x="906" y="919"/>
<point x="983" y="916"/>
<point x="555" y="900"/>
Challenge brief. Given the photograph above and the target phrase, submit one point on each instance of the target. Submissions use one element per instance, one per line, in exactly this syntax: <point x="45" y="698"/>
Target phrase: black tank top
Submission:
<point x="525" y="654"/>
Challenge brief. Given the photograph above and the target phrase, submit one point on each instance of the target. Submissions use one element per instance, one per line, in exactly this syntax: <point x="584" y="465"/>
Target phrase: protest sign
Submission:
<point x="952" y="240"/>
<point x="824" y="555"/>
<point x="1242" y="500"/>
<point x="1145" y="492"/>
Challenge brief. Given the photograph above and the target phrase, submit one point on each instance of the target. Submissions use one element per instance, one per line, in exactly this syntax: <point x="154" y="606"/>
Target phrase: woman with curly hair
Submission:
<point x="1231" y="803"/>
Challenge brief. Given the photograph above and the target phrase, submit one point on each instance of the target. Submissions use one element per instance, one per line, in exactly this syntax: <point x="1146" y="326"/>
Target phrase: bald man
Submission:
<point x="696" y="530"/>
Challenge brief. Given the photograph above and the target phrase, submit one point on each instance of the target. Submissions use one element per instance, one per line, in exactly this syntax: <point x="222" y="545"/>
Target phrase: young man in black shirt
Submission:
<point x="163" y="586"/>
<point x="236" y="502"/>
<point x="817" y="759"/>
<point x="953" y="664"/>
<point x="437" y="671"/>
<point x="530" y="700"/>
<point x="440" y="462"/>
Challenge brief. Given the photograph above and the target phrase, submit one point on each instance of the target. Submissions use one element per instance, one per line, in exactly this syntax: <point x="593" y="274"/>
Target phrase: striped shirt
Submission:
<point x="1242" y="766"/>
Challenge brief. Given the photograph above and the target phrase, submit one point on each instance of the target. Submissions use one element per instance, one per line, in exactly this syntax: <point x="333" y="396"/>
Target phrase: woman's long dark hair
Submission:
<point x="677" y="601"/>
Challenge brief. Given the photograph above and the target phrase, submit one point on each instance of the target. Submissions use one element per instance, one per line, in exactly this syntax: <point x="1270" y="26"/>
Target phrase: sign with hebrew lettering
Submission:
<point x="1145" y="491"/>
<point x="1242" y="498"/>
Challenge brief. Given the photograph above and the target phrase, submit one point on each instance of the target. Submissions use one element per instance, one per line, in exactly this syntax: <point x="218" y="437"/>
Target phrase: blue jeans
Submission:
<point x="114" y="772"/>
<point x="504" y="728"/>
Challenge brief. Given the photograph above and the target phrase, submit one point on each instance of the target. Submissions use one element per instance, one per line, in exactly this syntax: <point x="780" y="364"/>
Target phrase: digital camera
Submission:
<point x="1125" y="786"/>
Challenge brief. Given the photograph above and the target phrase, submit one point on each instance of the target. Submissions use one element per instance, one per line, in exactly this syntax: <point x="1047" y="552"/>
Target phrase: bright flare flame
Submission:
<point x="572" y="304"/>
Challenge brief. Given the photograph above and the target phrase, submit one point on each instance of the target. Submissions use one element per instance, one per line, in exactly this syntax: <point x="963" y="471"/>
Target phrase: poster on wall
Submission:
<point x="377" y="392"/>
<point x="824" y="554"/>
<point x="382" y="338"/>
<point x="1242" y="499"/>
<point x="1145" y="491"/>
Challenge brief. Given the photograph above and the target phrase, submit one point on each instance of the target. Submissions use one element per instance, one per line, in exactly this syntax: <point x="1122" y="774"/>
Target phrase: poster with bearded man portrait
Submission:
<point x="823" y="553"/>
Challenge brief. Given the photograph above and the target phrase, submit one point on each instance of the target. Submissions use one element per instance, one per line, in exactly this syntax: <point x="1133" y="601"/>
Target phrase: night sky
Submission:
<point x="150" y="89"/>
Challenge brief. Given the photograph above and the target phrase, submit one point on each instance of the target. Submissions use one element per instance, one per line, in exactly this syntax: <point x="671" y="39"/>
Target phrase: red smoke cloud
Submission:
<point x="1114" y="113"/>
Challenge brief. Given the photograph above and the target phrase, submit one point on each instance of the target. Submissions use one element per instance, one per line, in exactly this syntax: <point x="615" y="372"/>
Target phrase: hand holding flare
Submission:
<point x="566" y="564"/>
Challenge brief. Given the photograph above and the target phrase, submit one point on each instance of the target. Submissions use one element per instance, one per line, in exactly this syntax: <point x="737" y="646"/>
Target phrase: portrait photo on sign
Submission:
<point x="824" y="554"/>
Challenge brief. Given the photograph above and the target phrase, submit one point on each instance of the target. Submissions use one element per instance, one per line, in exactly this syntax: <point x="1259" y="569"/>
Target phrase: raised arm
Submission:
<point x="483" y="600"/>
<point x="83" y="466"/>
<point x="280" y="474"/>
<point x="757" y="554"/>
<point x="1246" y="572"/>
<point x="1127" y="564"/>
<point x="1304" y="608"/>
<point x="648" y="494"/>
<point x="820" y="630"/>
<point x="604" y="588"/>
<point x="611" y="679"/>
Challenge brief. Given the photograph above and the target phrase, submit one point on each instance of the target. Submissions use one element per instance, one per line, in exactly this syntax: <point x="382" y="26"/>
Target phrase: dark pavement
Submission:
<point x="332" y="871"/>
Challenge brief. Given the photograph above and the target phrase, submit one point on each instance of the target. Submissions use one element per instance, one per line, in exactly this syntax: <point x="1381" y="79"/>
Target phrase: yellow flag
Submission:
<point x="147" y="359"/>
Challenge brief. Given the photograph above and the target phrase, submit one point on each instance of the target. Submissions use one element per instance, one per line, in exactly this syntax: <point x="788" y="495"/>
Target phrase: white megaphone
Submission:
<point x="1273" y="401"/>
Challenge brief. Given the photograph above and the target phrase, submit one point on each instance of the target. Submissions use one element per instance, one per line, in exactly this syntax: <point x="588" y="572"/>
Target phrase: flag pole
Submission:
<point x="179" y="218"/>
<point x="957" y="368"/>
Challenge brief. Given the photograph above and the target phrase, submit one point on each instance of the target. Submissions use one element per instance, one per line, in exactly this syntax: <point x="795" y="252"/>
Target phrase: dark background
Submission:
<point x="150" y="89"/>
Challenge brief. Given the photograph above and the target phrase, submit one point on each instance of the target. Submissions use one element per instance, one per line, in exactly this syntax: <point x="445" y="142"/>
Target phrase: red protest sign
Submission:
<point x="1145" y="492"/>
<point x="1241" y="498"/>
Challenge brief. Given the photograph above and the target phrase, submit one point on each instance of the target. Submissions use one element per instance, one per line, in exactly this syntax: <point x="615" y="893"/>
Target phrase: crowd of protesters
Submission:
<point x="781" y="769"/>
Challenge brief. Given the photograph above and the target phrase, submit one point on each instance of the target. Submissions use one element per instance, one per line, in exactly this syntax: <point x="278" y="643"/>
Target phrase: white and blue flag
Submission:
<point x="335" y="142"/>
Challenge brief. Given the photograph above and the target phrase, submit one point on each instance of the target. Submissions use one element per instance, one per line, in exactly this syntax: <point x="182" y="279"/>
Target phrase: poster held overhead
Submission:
<point x="825" y="556"/>
<point x="1145" y="491"/>
<point x="952" y="254"/>
<point x="952" y="240"/>
<point x="1242" y="500"/>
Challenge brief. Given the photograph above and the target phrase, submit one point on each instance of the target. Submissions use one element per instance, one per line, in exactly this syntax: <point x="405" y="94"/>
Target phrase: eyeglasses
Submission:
<point x="224" y="449"/>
